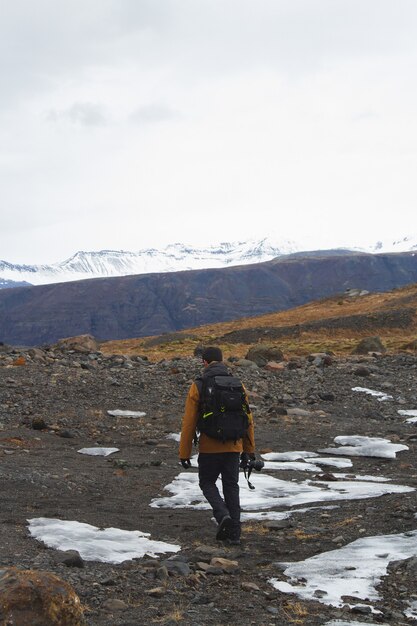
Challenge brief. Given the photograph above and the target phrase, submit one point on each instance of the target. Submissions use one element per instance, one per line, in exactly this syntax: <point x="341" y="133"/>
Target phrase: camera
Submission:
<point x="255" y="464"/>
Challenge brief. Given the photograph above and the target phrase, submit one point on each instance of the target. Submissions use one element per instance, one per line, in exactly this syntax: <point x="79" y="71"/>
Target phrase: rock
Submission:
<point x="369" y="344"/>
<point x="273" y="366"/>
<point x="37" y="355"/>
<point x="156" y="592"/>
<point x="278" y="524"/>
<point x="37" y="598"/>
<point x="339" y="539"/>
<point x="209" y="550"/>
<point x="250" y="587"/>
<point x="114" y="604"/>
<point x="362" y="371"/>
<point x="299" y="412"/>
<point x="203" y="565"/>
<point x="19" y="361"/>
<point x="80" y="343"/>
<point x="226" y="565"/>
<point x="120" y="463"/>
<point x="272" y="610"/>
<point x="327" y="396"/>
<point x="262" y="353"/>
<point x="246" y="363"/>
<point x="294" y="364"/>
<point x="66" y="434"/>
<point x="175" y="566"/>
<point x="162" y="573"/>
<point x="73" y="559"/>
<point x="326" y="476"/>
<point x="214" y="571"/>
<point x="38" y="423"/>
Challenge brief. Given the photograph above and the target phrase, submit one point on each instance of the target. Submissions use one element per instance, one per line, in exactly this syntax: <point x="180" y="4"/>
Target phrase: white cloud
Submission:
<point x="298" y="113"/>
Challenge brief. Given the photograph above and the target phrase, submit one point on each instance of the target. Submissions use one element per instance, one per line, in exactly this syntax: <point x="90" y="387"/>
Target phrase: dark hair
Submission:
<point x="212" y="354"/>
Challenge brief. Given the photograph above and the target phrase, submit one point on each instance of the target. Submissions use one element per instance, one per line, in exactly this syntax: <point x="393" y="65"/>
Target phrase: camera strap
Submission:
<point x="247" y="476"/>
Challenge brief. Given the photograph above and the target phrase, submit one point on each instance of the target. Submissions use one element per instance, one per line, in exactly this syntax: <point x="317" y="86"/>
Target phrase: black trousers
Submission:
<point x="226" y="465"/>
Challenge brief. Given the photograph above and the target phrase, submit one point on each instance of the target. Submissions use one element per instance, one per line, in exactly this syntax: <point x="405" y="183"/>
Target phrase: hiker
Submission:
<point x="219" y="454"/>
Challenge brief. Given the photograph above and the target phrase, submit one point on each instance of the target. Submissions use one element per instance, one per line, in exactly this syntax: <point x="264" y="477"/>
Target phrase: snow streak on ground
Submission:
<point x="378" y="394"/>
<point x="271" y="492"/>
<point x="366" y="446"/>
<point x="98" y="451"/>
<point x="412" y="610"/>
<point x="339" y="622"/>
<point x="119" y="413"/>
<point x="412" y="416"/>
<point x="354" y="570"/>
<point x="110" y="545"/>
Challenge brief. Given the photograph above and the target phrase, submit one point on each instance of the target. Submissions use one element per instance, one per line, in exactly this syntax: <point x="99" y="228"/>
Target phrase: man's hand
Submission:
<point x="245" y="457"/>
<point x="186" y="463"/>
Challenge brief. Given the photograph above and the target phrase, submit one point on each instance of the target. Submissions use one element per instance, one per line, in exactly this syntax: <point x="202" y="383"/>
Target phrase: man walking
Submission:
<point x="217" y="456"/>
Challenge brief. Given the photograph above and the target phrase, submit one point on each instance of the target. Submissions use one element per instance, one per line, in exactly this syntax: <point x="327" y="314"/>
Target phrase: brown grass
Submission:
<point x="338" y="341"/>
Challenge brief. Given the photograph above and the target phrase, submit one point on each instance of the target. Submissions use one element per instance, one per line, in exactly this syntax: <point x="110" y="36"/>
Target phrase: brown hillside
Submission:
<point x="332" y="324"/>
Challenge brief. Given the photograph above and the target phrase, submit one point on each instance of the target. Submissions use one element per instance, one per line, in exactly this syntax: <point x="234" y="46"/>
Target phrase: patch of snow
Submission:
<point x="98" y="451"/>
<point x="109" y="545"/>
<point x="354" y="570"/>
<point x="365" y="446"/>
<point x="119" y="413"/>
<point x="412" y="416"/>
<point x="339" y="463"/>
<point x="375" y="479"/>
<point x="296" y="460"/>
<point x="272" y="492"/>
<point x="341" y="622"/>
<point x="288" y="456"/>
<point x="174" y="436"/>
<point x="304" y="466"/>
<point x="378" y="394"/>
<point x="280" y="515"/>
<point x="291" y="465"/>
<point x="412" y="610"/>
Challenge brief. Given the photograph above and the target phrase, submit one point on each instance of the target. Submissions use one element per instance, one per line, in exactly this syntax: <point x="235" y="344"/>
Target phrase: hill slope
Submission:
<point x="134" y="306"/>
<point x="335" y="323"/>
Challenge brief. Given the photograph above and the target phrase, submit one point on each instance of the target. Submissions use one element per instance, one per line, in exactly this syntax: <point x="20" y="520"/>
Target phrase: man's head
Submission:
<point x="212" y="353"/>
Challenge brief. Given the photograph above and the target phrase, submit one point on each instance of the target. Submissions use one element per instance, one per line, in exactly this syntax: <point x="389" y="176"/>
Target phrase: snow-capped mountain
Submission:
<point x="175" y="257"/>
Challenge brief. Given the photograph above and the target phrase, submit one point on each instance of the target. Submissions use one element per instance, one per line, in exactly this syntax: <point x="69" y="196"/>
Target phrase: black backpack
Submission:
<point x="223" y="410"/>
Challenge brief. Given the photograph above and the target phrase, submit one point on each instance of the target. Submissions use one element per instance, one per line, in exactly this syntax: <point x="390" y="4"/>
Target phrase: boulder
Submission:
<point x="37" y="598"/>
<point x="80" y="343"/>
<point x="262" y="353"/>
<point x="369" y="344"/>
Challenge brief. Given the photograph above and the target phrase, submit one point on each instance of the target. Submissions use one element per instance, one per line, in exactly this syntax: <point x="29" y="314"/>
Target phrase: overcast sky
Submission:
<point x="127" y="124"/>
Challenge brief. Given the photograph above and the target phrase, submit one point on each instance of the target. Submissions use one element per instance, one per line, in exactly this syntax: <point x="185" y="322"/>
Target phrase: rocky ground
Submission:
<point x="52" y="403"/>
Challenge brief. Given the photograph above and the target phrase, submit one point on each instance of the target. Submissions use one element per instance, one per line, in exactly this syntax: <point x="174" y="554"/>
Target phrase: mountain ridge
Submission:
<point x="177" y="257"/>
<point x="151" y="304"/>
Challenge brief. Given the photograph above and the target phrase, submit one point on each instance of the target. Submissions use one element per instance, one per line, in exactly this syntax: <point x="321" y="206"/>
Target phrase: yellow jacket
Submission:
<point x="206" y="443"/>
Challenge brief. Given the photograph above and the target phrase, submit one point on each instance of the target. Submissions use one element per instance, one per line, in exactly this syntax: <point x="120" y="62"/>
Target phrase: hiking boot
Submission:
<point x="225" y="526"/>
<point x="233" y="541"/>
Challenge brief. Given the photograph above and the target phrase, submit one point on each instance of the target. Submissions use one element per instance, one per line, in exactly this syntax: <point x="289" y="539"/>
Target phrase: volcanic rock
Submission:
<point x="35" y="598"/>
